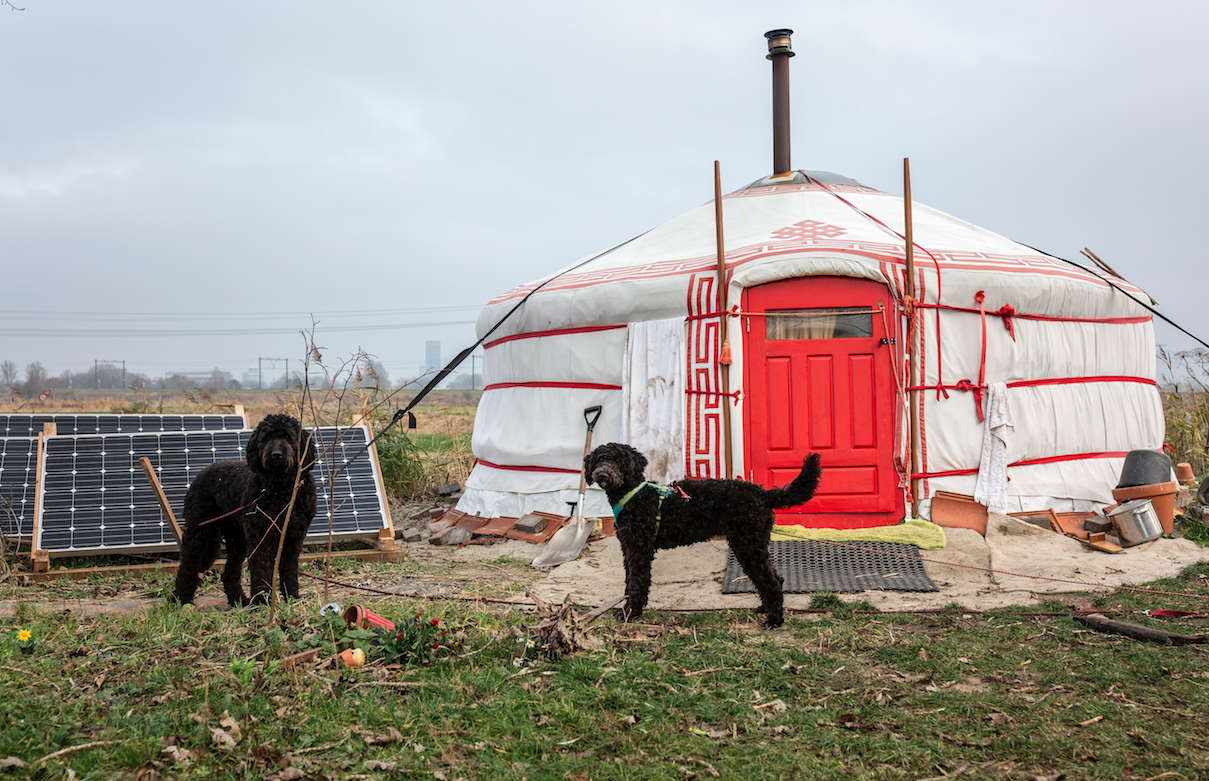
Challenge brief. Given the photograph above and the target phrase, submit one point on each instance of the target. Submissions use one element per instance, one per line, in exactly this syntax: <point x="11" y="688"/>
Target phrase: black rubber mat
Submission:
<point x="818" y="565"/>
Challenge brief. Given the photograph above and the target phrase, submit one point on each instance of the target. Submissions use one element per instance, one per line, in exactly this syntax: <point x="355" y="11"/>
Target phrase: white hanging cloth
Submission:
<point x="991" y="486"/>
<point x="652" y="407"/>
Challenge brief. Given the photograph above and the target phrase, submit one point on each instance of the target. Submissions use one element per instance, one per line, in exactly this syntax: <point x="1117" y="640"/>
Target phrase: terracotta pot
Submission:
<point x="1161" y="495"/>
<point x="1184" y="473"/>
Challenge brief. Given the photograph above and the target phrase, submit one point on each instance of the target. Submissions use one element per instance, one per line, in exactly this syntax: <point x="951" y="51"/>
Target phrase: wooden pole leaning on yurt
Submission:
<point x="912" y="364"/>
<point x="724" y="321"/>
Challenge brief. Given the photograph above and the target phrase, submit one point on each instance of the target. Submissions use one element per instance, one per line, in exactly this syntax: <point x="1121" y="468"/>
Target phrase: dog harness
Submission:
<point x="664" y="492"/>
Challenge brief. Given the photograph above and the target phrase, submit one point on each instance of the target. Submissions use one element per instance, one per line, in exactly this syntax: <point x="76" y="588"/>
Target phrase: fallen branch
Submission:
<point x="1099" y="623"/>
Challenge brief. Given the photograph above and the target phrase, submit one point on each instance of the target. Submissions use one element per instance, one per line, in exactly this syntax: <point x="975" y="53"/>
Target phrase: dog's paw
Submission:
<point x="774" y="621"/>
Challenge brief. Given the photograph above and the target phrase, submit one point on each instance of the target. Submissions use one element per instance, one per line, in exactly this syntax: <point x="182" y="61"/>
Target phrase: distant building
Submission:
<point x="201" y="379"/>
<point x="432" y="356"/>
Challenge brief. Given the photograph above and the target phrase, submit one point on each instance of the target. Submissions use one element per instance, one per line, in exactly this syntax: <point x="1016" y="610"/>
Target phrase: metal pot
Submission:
<point x="1136" y="522"/>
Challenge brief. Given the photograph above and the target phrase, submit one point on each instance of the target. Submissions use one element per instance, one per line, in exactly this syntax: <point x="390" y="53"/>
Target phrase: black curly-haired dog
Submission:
<point x="242" y="504"/>
<point x="650" y="517"/>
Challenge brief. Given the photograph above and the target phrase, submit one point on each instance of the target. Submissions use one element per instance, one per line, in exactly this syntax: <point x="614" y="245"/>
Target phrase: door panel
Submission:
<point x="819" y="370"/>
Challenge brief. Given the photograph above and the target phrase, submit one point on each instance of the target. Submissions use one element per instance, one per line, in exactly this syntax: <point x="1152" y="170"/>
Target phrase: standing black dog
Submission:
<point x="652" y="517"/>
<point x="242" y="504"/>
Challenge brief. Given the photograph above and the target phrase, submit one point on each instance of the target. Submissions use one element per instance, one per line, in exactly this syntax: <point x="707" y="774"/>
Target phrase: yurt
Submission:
<point x="793" y="316"/>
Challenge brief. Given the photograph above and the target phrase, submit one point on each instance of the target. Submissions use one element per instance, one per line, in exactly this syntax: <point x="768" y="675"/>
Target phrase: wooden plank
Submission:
<point x="162" y="498"/>
<point x="138" y="570"/>
<point x="387" y="521"/>
<point x="40" y="559"/>
<point x="1098" y="541"/>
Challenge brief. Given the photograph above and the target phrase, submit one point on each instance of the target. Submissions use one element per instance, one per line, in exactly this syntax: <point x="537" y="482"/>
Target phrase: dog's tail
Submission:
<point x="801" y="489"/>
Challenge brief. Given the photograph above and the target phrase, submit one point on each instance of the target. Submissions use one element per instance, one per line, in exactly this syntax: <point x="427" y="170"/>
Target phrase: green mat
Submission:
<point x="922" y="534"/>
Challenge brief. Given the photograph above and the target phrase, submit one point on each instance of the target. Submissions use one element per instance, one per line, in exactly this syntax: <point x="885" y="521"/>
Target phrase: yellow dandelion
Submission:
<point x="24" y="635"/>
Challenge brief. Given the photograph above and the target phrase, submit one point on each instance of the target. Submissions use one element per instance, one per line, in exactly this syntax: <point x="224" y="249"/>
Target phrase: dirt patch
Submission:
<point x="1015" y="564"/>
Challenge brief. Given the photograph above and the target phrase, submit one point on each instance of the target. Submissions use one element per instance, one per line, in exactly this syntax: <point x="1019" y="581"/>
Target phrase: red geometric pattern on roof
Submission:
<point x="809" y="230"/>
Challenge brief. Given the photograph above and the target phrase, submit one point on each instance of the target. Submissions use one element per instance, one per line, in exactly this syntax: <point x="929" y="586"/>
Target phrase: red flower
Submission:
<point x="434" y="645"/>
<point x="434" y="622"/>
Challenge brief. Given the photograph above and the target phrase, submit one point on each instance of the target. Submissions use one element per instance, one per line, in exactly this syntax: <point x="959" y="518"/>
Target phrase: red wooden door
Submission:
<point x="819" y="378"/>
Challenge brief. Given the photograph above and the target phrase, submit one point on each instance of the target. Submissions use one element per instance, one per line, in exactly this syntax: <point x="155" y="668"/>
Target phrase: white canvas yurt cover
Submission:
<point x="1035" y="376"/>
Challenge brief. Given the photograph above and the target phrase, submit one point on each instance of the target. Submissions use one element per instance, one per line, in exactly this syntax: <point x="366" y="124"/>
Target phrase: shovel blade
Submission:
<point x="564" y="546"/>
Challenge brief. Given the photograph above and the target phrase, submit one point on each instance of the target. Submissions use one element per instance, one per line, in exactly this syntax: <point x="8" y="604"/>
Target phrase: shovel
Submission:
<point x="568" y="541"/>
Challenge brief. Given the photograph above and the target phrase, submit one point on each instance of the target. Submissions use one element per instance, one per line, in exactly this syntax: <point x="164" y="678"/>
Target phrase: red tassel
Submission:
<point x="724" y="358"/>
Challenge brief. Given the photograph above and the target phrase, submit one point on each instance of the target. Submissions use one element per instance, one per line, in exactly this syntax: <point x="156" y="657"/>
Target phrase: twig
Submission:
<point x="72" y="749"/>
<point x="324" y="747"/>
<point x="709" y="670"/>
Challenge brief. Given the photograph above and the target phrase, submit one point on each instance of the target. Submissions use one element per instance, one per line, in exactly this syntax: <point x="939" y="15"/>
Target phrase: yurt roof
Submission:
<point x="803" y="224"/>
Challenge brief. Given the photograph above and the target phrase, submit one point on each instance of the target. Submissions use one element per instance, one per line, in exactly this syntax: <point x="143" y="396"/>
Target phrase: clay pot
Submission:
<point x="1184" y="473"/>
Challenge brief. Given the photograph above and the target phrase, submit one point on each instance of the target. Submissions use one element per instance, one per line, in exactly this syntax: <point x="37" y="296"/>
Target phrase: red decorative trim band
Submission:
<point x="1010" y="314"/>
<point x="585" y="385"/>
<point x="1029" y="462"/>
<point x="557" y="332"/>
<point x="968" y="386"/>
<point x="527" y="468"/>
<point x="1074" y="380"/>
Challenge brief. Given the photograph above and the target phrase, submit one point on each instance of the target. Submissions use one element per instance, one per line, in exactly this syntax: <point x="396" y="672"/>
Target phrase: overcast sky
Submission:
<point x="184" y="186"/>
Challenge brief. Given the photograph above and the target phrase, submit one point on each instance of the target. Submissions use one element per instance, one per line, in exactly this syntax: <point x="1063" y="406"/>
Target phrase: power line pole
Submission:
<point x="260" y="370"/>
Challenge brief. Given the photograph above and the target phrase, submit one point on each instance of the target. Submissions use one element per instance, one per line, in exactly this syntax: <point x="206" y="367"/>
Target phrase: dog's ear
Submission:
<point x="638" y="457"/>
<point x="252" y="454"/>
<point x="589" y="466"/>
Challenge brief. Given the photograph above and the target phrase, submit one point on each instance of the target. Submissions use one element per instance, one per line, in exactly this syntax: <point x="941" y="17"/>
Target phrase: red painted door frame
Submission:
<point x="836" y="396"/>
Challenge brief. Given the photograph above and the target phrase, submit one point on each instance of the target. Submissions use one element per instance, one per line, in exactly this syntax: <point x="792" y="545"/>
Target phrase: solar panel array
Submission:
<point x="30" y="425"/>
<point x="19" y="451"/>
<point x="96" y="498"/>
<point x="18" y="484"/>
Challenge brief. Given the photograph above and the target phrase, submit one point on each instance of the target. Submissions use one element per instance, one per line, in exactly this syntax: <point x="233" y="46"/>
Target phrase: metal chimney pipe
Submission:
<point x="779" y="51"/>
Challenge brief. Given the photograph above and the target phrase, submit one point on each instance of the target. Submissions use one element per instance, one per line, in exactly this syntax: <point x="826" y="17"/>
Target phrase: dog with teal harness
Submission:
<point x="650" y="517"/>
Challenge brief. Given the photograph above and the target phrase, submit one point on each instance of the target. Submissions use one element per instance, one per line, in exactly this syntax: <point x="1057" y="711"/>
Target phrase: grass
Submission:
<point x="1007" y="694"/>
<point x="843" y="692"/>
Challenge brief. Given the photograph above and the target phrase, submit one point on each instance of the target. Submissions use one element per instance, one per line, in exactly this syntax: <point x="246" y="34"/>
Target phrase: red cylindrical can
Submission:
<point x="357" y="616"/>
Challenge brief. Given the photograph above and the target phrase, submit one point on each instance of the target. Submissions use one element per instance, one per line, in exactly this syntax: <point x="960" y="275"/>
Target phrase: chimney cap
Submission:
<point x="779" y="43"/>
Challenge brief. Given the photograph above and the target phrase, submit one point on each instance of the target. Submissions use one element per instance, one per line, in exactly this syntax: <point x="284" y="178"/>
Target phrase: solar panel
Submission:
<point x="96" y="499"/>
<point x="30" y="425"/>
<point x="18" y="485"/>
